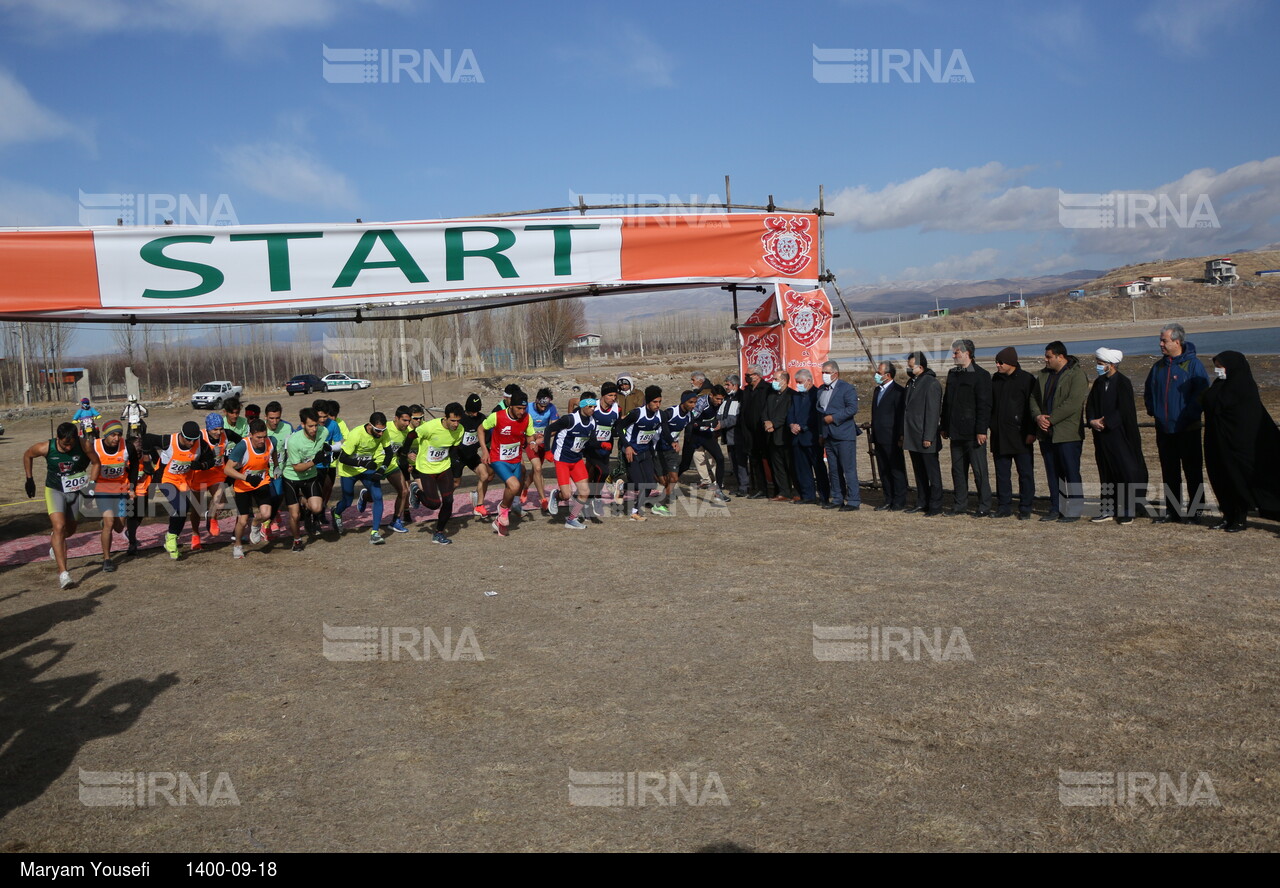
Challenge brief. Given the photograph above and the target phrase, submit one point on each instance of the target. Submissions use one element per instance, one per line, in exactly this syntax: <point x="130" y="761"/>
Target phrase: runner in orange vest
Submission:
<point x="250" y="467"/>
<point x="209" y="484"/>
<point x="113" y="487"/>
<point x="185" y="453"/>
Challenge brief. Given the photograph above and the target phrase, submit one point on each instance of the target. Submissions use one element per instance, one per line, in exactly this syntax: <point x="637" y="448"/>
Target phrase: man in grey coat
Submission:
<point x="922" y="413"/>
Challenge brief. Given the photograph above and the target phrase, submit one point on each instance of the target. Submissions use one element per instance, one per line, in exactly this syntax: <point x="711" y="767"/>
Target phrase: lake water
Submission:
<point x="1263" y="341"/>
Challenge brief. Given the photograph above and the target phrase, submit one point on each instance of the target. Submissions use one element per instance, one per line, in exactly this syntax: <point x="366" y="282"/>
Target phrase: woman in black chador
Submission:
<point x="1241" y="445"/>
<point x="1113" y="416"/>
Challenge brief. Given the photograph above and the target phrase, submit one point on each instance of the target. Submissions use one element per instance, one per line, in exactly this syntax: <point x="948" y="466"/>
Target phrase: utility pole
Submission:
<point x="404" y="361"/>
<point x="22" y="352"/>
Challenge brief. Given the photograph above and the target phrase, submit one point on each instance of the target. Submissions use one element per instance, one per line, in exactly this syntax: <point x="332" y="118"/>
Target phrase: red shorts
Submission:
<point x="569" y="472"/>
<point x="535" y="451"/>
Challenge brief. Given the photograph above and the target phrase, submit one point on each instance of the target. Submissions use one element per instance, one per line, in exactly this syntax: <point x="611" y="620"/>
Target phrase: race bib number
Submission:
<point x="437" y="454"/>
<point x="577" y="445"/>
<point x="509" y="452"/>
<point x="469" y="438"/>
<point x="74" y="483"/>
<point x="179" y="468"/>
<point x="604" y="434"/>
<point x="644" y="437"/>
<point x="112" y="472"/>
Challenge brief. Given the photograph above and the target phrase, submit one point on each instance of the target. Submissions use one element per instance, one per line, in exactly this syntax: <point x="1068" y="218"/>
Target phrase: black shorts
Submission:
<point x="250" y="500"/>
<point x="640" y="469"/>
<point x="465" y="459"/>
<point x="296" y="491"/>
<point x="666" y="462"/>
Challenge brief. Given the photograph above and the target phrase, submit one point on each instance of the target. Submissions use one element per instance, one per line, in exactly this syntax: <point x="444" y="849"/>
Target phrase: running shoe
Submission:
<point x="518" y="507"/>
<point x="482" y="513"/>
<point x="662" y="510"/>
<point x="108" y="566"/>
<point x="171" y="545"/>
<point x="553" y="506"/>
<point x="363" y="500"/>
<point x="237" y="552"/>
<point x="504" y="517"/>
<point x="65" y="581"/>
<point x="574" y="524"/>
<point x="704" y="485"/>
<point x="499" y="528"/>
<point x="374" y="537"/>
<point x="133" y="548"/>
<point x="213" y="527"/>
<point x="415" y="495"/>
<point x="265" y="533"/>
<point x="440" y="538"/>
<point x="398" y="526"/>
<point x="337" y="522"/>
<point x="299" y="545"/>
<point x="636" y="516"/>
<point x="196" y="545"/>
<point x="255" y="536"/>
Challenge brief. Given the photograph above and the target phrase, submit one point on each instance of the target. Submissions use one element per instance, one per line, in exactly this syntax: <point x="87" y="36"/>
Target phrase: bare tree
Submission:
<point x="553" y="325"/>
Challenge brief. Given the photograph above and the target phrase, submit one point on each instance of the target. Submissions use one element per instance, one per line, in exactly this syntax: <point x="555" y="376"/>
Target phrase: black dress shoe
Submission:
<point x="897" y="508"/>
<point x="1063" y="519"/>
<point x="982" y="513"/>
<point x="953" y="512"/>
<point x="1024" y="516"/>
<point x="1167" y="519"/>
<point x="914" y="509"/>
<point x="830" y="505"/>
<point x="848" y="508"/>
<point x="805" y="502"/>
<point x="1221" y="525"/>
<point x="1002" y="513"/>
<point x="1236" y="528"/>
<point x="884" y="508"/>
<point x="1052" y="516"/>
<point x="757" y="495"/>
<point x="933" y="513"/>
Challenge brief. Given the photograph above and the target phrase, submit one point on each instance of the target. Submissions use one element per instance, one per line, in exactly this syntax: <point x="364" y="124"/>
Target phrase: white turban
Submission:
<point x="1110" y="355"/>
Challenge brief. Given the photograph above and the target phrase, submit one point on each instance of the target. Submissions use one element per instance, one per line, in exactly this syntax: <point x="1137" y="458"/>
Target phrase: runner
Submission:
<point x="667" y="453"/>
<point x="512" y="431"/>
<point x="209" y="484"/>
<point x="640" y="428"/>
<point x="147" y="447"/>
<point x="114" y="482"/>
<point x="279" y="432"/>
<point x="237" y="426"/>
<point x="363" y="458"/>
<point x="328" y="471"/>
<point x="541" y="414"/>
<point x="431" y="445"/>
<point x="393" y="442"/>
<point x="66" y="480"/>
<point x="701" y="441"/>
<point x="185" y="454"/>
<point x="566" y="439"/>
<point x="250" y="466"/>
<point x="467" y="454"/>
<point x="304" y="451"/>
<point x="600" y="450"/>
<point x="86" y="418"/>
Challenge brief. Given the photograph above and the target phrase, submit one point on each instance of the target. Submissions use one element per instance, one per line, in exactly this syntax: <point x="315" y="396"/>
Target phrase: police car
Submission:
<point x="337" y="382"/>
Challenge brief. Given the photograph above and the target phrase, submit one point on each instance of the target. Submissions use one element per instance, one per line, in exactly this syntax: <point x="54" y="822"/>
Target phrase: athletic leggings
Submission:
<point x="373" y="484"/>
<point x="439" y="487"/>
<point x="178" y="503"/>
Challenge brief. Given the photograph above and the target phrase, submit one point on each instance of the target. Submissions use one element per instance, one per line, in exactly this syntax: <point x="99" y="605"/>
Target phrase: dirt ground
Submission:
<point x="681" y="645"/>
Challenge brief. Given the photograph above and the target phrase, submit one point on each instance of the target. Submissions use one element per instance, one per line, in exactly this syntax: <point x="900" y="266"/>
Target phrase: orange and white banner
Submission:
<point x="285" y="270"/>
<point x="790" y="330"/>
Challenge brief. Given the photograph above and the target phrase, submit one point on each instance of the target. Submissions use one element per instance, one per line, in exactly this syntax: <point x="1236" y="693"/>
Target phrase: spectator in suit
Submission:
<point x="1013" y="431"/>
<point x="805" y="423"/>
<point x="922" y="411"/>
<point x="728" y="429"/>
<point x="751" y="425"/>
<point x="966" y="417"/>
<point x="887" y="412"/>
<point x="778" y="434"/>
<point x="1057" y="400"/>
<point x="838" y="404"/>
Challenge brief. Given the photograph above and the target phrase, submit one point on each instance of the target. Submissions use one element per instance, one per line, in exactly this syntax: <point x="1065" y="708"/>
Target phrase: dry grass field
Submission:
<point x="694" y="644"/>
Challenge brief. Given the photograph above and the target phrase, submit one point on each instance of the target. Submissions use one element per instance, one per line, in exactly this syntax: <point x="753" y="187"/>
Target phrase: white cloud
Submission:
<point x="228" y="18"/>
<point x="979" y="263"/>
<point x="979" y="199"/>
<point x="291" y="174"/>
<point x="23" y="119"/>
<point x="624" y="51"/>
<point x="1191" y="26"/>
<point x="27" y="205"/>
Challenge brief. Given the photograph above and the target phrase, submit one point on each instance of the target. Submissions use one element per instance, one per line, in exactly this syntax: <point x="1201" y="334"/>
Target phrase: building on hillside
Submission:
<point x="1019" y="302"/>
<point x="1220" y="271"/>
<point x="1269" y="272"/>
<point x="1156" y="278"/>
<point x="937" y="313"/>
<point x="1133" y="289"/>
<point x="585" y="341"/>
<point x="1076" y="295"/>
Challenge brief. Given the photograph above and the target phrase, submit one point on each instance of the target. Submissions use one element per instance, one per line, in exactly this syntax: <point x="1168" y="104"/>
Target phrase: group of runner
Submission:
<point x="279" y="474"/>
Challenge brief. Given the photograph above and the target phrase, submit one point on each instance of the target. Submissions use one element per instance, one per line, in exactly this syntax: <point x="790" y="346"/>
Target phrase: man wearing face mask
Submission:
<point x="1112" y="414"/>
<point x="887" y="406"/>
<point x="730" y="432"/>
<point x="755" y="442"/>
<point x="805" y="423"/>
<point x="838" y="404"/>
<point x="778" y="434"/>
<point x="966" y="417"/>
<point x="921" y="413"/>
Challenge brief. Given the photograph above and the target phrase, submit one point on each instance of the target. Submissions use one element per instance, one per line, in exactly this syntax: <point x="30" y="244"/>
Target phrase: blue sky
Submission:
<point x="929" y="180"/>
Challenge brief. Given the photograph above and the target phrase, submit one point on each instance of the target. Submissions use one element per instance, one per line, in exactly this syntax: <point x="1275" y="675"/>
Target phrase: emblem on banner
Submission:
<point x="787" y="243"/>
<point x="806" y="319"/>
<point x="764" y="352"/>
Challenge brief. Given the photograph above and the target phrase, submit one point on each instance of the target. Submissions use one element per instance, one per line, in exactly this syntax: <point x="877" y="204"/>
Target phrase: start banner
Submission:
<point x="281" y="271"/>
<point x="790" y="330"/>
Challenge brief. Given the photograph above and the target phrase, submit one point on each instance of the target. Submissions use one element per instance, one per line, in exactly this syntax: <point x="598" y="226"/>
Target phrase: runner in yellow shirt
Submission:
<point x="433" y="465"/>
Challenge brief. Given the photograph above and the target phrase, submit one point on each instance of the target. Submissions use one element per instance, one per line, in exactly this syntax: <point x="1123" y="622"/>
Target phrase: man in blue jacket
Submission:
<point x="806" y="444"/>
<point x="1172" y="395"/>
<point x="838" y="404"/>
